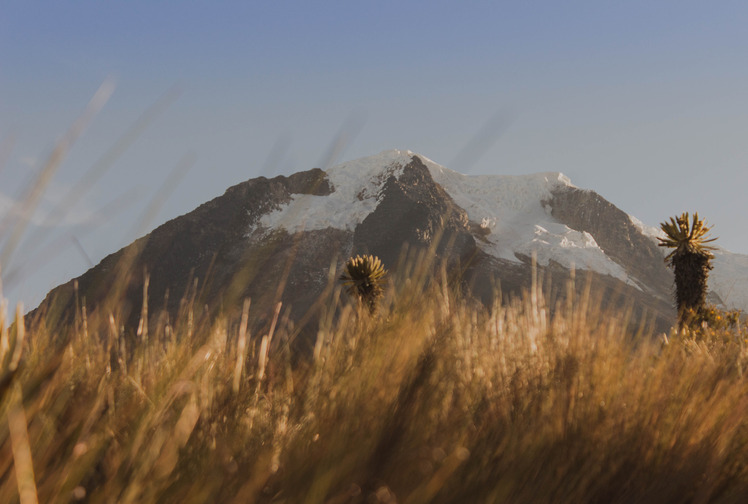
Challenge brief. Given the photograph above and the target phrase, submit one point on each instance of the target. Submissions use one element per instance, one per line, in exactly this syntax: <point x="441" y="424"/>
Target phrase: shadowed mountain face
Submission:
<point x="229" y="249"/>
<point x="616" y="235"/>
<point x="414" y="209"/>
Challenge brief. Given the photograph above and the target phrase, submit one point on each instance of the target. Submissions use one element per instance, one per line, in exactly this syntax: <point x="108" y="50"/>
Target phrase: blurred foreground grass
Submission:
<point x="433" y="399"/>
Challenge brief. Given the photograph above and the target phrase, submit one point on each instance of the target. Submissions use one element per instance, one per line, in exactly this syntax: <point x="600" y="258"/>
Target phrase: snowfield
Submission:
<point x="510" y="207"/>
<point x="356" y="185"/>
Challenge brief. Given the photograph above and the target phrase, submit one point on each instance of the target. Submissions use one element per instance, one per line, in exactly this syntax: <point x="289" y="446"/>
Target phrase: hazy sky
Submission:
<point x="644" y="102"/>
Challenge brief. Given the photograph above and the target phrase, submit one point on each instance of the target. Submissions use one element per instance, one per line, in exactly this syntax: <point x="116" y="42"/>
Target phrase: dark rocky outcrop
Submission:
<point x="415" y="210"/>
<point x="615" y="234"/>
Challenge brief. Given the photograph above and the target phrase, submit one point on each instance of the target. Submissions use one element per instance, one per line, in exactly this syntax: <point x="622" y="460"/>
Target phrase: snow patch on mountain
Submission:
<point x="512" y="209"/>
<point x="357" y="187"/>
<point x="650" y="232"/>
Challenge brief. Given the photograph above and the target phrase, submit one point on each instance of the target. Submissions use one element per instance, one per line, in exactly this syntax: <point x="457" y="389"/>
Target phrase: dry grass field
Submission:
<point x="432" y="399"/>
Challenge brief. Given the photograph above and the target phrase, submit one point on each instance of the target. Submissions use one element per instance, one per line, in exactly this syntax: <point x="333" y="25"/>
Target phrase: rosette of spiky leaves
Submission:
<point x="690" y="258"/>
<point x="685" y="237"/>
<point x="364" y="278"/>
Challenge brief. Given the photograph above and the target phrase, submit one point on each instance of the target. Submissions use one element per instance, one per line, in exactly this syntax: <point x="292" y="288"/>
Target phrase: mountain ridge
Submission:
<point x="276" y="239"/>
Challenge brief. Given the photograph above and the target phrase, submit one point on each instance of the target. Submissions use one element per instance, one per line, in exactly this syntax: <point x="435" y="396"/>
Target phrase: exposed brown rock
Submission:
<point x="415" y="210"/>
<point x="615" y="234"/>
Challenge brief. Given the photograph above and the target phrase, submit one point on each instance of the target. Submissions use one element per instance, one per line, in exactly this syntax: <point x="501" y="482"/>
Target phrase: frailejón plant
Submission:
<point x="364" y="278"/>
<point x="690" y="259"/>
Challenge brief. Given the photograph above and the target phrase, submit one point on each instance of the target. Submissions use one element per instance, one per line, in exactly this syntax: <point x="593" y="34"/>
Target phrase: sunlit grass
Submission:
<point x="433" y="399"/>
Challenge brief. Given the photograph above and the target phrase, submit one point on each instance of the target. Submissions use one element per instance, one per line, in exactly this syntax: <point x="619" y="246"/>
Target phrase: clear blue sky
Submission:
<point x="644" y="102"/>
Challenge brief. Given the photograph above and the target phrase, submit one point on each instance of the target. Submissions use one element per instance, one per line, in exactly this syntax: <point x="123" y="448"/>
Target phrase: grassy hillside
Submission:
<point x="431" y="399"/>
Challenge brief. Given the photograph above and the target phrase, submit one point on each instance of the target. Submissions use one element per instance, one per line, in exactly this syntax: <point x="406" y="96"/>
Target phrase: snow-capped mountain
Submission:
<point x="509" y="209"/>
<point x="276" y="239"/>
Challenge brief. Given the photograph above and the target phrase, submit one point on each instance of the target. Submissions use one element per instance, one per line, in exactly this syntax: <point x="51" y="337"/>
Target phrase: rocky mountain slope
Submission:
<point x="276" y="240"/>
